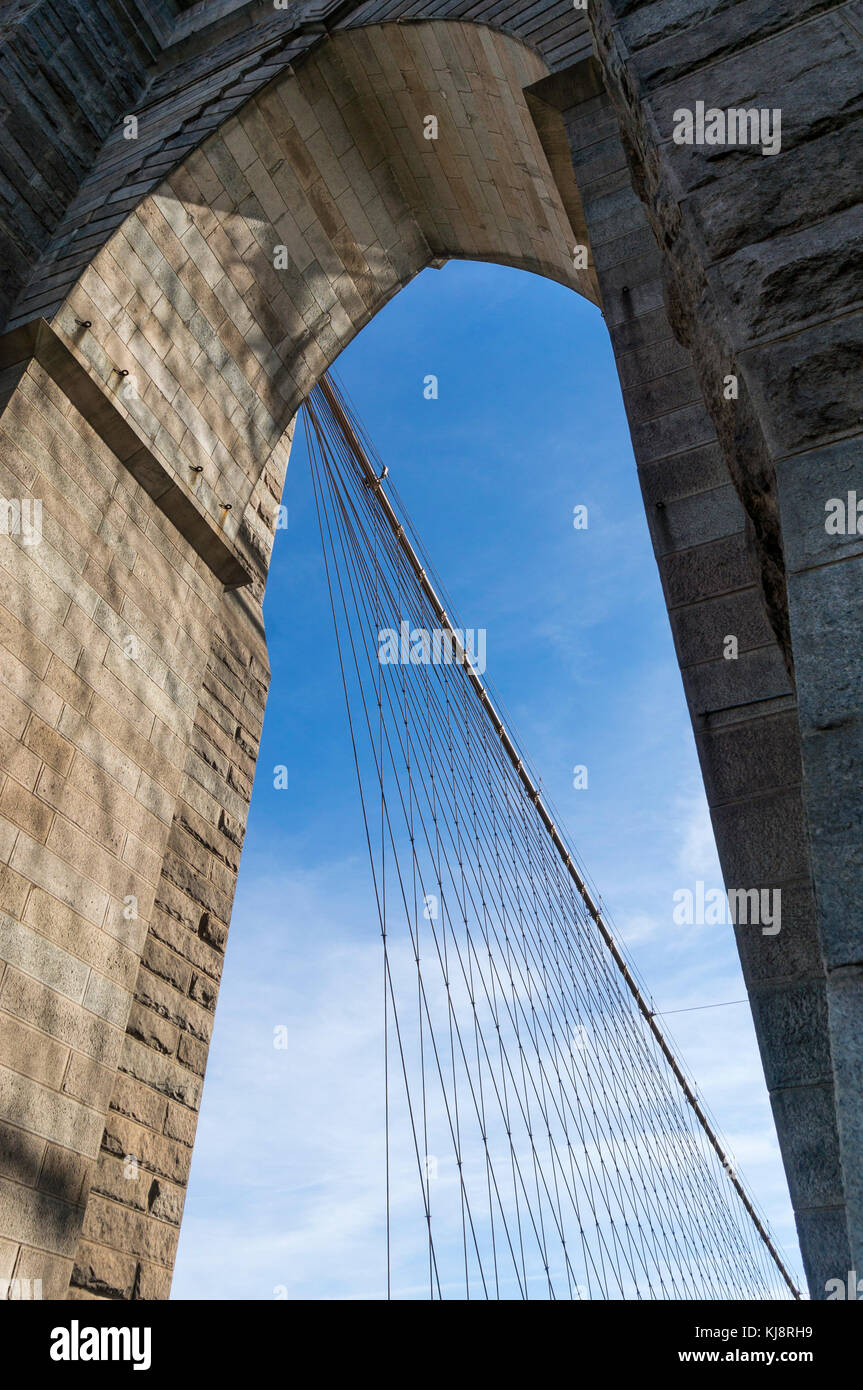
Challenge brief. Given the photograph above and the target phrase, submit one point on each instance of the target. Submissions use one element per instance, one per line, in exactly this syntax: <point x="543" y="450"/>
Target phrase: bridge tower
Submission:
<point x="154" y="356"/>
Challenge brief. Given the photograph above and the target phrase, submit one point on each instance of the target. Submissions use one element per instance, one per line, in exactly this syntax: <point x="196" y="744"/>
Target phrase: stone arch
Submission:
<point x="329" y="163"/>
<point x="180" y="357"/>
<point x="163" y="502"/>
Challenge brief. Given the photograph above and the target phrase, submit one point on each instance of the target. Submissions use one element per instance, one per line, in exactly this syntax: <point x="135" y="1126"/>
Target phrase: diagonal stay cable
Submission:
<point x="497" y="914"/>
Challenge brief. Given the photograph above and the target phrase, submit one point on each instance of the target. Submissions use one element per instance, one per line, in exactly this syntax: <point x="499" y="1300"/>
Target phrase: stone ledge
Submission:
<point x="50" y="347"/>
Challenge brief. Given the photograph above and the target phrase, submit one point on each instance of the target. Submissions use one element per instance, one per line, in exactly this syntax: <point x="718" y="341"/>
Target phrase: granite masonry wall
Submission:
<point x="744" y="712"/>
<point x="107" y="622"/>
<point x="155" y="359"/>
<point x="189" y="352"/>
<point x="760" y="264"/>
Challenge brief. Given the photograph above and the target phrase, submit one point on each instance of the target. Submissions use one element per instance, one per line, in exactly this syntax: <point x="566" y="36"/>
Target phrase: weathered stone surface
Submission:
<point x="132" y="778"/>
<point x="54" y="129"/>
<point x="760" y="277"/>
<point x="103" y="1273"/>
<point x="743" y="711"/>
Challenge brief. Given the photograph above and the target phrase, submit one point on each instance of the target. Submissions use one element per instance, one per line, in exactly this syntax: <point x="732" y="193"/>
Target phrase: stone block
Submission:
<point x="21" y="1154"/>
<point x="104" y="1273"/>
<point x="117" y="1227"/>
<point x="805" y="1118"/>
<point x="34" y="1219"/>
<point x="29" y="999"/>
<point x="791" y="1024"/>
<point x="41" y="959"/>
<point x="807" y="483"/>
<point x="32" y="1053"/>
<point x="29" y="1105"/>
<point x="165" y="1076"/>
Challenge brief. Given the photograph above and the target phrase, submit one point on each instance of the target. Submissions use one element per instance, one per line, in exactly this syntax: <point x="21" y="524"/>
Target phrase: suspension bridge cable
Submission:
<point x="584" y="1159"/>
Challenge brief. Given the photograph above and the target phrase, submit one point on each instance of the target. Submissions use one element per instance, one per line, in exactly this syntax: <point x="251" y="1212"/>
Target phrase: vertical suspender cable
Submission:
<point x="339" y="414"/>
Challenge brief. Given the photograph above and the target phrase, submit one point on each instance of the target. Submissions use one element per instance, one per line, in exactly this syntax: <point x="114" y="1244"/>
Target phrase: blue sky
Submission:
<point x="286" y="1190"/>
